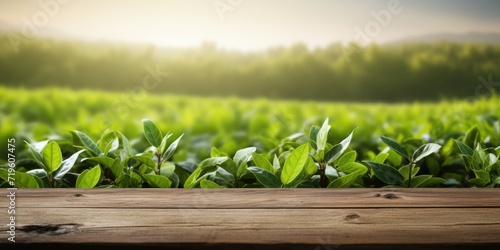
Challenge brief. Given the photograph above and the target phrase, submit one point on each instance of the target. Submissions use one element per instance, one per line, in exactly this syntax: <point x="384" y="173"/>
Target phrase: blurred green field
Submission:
<point x="230" y="123"/>
<point x="390" y="73"/>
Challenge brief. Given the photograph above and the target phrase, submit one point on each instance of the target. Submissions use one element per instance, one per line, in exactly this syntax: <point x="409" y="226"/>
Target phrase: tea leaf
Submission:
<point x="209" y="184"/>
<point x="353" y="167"/>
<point x="171" y="149"/>
<point x="24" y="180"/>
<point x="262" y="162"/>
<point x="322" y="135"/>
<point x="337" y="150"/>
<point x="344" y="181"/>
<point x="425" y="150"/>
<point x="386" y="173"/>
<point x="52" y="157"/>
<point x="395" y="146"/>
<point x="89" y="178"/>
<point x="265" y="177"/>
<point x="294" y="164"/>
<point x="466" y="150"/>
<point x="66" y="166"/>
<point x="152" y="133"/>
<point x="88" y="143"/>
<point x="157" y="181"/>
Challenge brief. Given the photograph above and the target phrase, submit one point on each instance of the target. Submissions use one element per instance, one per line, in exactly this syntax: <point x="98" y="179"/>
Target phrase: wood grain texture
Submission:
<point x="317" y="217"/>
<point x="259" y="198"/>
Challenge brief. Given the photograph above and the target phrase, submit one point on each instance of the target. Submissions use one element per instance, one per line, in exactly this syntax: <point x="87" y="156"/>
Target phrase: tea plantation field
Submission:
<point x="62" y="138"/>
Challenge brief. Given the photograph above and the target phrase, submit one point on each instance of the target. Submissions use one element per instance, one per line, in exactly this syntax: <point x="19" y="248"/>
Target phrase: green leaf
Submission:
<point x="404" y="171"/>
<point x="52" y="157"/>
<point x="322" y="135"/>
<point x="276" y="164"/>
<point x="146" y="160"/>
<point x="353" y="167"/>
<point x="313" y="135"/>
<point x="112" y="146"/>
<point x="386" y="173"/>
<point x="265" y="178"/>
<point x="24" y="180"/>
<point x="347" y="157"/>
<point x="337" y="150"/>
<point x="4" y="174"/>
<point x="88" y="143"/>
<point x="425" y="150"/>
<point x="193" y="180"/>
<point x="395" y="146"/>
<point x="157" y="181"/>
<point x="126" y="145"/>
<point x="36" y="155"/>
<point x="209" y="184"/>
<point x="381" y="157"/>
<point x="466" y="150"/>
<point x="116" y="168"/>
<point x="490" y="160"/>
<point x="496" y="181"/>
<point x="425" y="181"/>
<point x="152" y="133"/>
<point x="294" y="164"/>
<point x="333" y="153"/>
<point x="242" y="169"/>
<point x="472" y="137"/>
<point x="481" y="174"/>
<point x="89" y="178"/>
<point x="243" y="155"/>
<point x="214" y="152"/>
<point x="344" y="181"/>
<point x="310" y="167"/>
<point x="171" y="149"/>
<point x="103" y="160"/>
<point x="105" y="143"/>
<point x="262" y="162"/>
<point x="164" y="141"/>
<point x="211" y="162"/>
<point x="66" y="166"/>
<point x="477" y="182"/>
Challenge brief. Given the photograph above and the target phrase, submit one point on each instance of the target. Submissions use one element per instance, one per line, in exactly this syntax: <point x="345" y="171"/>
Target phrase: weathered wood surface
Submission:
<point x="317" y="217"/>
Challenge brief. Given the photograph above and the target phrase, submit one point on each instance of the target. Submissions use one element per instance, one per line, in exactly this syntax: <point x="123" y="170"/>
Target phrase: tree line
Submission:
<point x="401" y="72"/>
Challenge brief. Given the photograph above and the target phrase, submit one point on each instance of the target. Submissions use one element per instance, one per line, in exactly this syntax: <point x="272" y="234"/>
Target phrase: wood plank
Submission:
<point x="257" y="198"/>
<point x="264" y="226"/>
<point x="313" y="217"/>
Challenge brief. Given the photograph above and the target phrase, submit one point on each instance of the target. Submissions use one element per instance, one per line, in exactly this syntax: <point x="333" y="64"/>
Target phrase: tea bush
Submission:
<point x="70" y="139"/>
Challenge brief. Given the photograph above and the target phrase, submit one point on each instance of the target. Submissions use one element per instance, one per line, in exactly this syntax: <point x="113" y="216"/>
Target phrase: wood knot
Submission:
<point x="352" y="216"/>
<point x="377" y="195"/>
<point x="390" y="196"/>
<point x="51" y="229"/>
<point x="78" y="195"/>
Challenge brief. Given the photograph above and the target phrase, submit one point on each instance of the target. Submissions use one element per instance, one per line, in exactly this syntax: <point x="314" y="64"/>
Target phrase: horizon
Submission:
<point x="248" y="25"/>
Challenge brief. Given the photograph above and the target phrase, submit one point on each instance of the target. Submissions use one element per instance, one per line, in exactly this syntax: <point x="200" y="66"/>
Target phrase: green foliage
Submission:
<point x="294" y="164"/>
<point x="247" y="144"/>
<point x="89" y="178"/>
<point x="152" y="133"/>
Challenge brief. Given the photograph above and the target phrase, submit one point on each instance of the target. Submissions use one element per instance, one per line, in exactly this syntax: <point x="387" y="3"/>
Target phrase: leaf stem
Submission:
<point x="322" y="175"/>
<point x="159" y="162"/>
<point x="410" y="174"/>
<point x="51" y="182"/>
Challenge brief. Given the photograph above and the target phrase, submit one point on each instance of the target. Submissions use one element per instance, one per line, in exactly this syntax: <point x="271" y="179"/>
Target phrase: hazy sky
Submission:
<point x="249" y="24"/>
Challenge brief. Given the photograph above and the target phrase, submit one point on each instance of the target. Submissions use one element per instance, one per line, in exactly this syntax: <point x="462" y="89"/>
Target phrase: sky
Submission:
<point x="249" y="24"/>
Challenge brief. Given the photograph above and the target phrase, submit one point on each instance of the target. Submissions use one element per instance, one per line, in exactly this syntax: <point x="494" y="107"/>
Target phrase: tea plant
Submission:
<point x="300" y="160"/>
<point x="480" y="163"/>
<point x="403" y="176"/>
